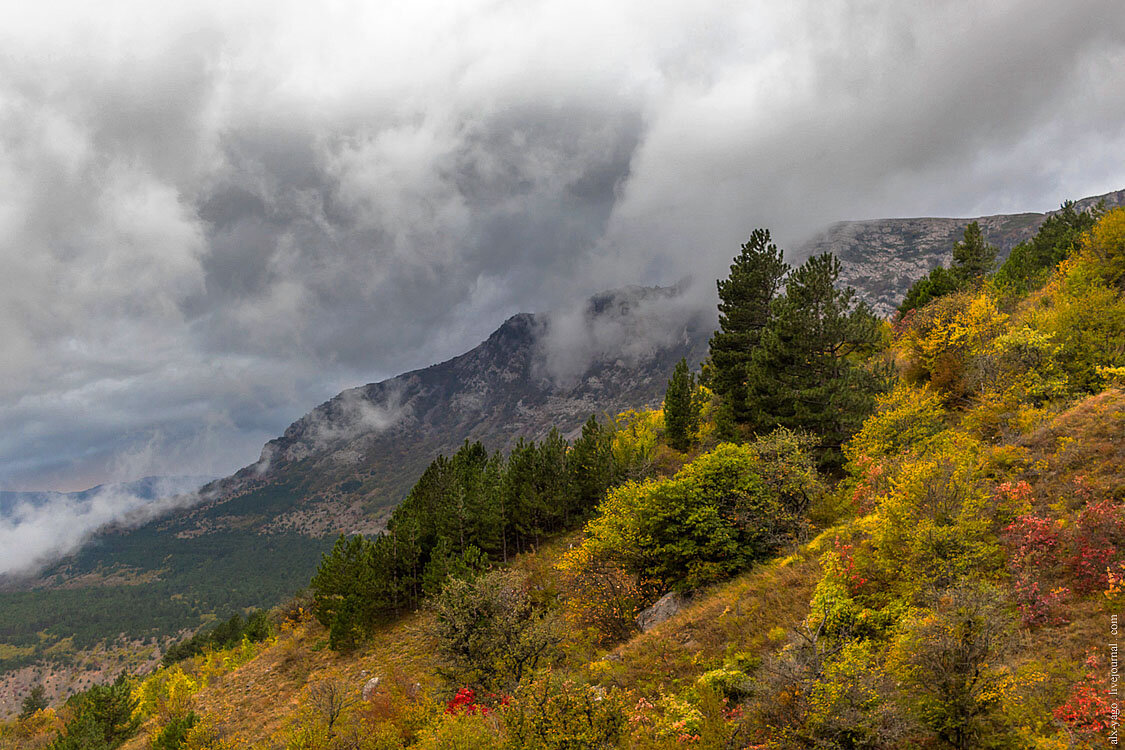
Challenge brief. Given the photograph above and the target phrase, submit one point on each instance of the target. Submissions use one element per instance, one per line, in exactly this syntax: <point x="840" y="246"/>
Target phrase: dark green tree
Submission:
<point x="590" y="466"/>
<point x="973" y="258"/>
<point x="745" y="297"/>
<point x="35" y="700"/>
<point x="81" y="733"/>
<point x="807" y="374"/>
<point x="1059" y="235"/>
<point x="104" y="717"/>
<point x="681" y="407"/>
<point x="937" y="283"/>
<point x="175" y="733"/>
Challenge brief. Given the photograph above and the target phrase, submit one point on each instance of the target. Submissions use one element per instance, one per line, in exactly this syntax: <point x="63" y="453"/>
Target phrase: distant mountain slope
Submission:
<point x="883" y="257"/>
<point x="254" y="537"/>
<point x="356" y="455"/>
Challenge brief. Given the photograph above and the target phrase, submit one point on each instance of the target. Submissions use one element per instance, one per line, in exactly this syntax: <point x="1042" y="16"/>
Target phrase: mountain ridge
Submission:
<point x="873" y="252"/>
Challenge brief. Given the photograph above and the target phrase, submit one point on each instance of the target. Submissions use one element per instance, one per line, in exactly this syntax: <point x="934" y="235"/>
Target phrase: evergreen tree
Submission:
<point x="803" y="374"/>
<point x="973" y="258"/>
<point x="1059" y="235"/>
<point x="744" y="311"/>
<point x="937" y="283"/>
<point x="681" y="408"/>
<point x="590" y="466"/>
<point x="35" y="700"/>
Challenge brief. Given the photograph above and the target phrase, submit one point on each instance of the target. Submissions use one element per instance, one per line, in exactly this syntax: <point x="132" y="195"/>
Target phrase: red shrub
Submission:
<point x="1098" y="531"/>
<point x="1087" y="710"/>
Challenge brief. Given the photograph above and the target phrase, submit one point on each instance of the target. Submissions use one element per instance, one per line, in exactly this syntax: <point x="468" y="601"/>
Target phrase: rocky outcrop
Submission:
<point x="881" y="258"/>
<point x="665" y="608"/>
<point x="353" y="457"/>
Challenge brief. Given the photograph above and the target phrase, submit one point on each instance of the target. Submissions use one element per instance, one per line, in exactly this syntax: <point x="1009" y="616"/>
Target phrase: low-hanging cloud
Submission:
<point x="214" y="215"/>
<point x="37" y="528"/>
<point x="628" y="326"/>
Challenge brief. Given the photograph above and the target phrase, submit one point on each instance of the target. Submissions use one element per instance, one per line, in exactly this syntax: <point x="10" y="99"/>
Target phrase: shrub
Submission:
<point x="1097" y="531"/>
<point x="550" y="713"/>
<point x="1087" y="711"/>
<point x="173" y="736"/>
<point x="907" y="418"/>
<point x="602" y="595"/>
<point x="951" y="661"/>
<point x="488" y="632"/>
<point x="727" y="508"/>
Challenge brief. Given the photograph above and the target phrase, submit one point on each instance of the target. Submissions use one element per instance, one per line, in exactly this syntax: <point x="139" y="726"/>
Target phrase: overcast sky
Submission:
<point x="215" y="216"/>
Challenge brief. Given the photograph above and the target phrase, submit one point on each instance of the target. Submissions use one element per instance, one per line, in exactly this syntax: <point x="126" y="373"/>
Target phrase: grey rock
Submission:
<point x="369" y="688"/>
<point x="664" y="608"/>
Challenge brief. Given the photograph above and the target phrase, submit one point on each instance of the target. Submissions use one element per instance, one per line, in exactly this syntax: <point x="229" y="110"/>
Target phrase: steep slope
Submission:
<point x="258" y="535"/>
<point x="883" y="257"/>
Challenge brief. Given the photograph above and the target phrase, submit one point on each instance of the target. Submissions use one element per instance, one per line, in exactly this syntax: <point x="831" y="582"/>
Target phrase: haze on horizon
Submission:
<point x="213" y="216"/>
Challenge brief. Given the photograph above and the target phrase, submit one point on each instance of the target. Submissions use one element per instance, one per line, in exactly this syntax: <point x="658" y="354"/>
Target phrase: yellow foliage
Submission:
<point x="635" y="438"/>
<point x="907" y="418"/>
<point x="1106" y="245"/>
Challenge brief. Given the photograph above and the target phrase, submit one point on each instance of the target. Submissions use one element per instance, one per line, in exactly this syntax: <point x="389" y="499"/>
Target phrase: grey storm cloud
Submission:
<point x="215" y="215"/>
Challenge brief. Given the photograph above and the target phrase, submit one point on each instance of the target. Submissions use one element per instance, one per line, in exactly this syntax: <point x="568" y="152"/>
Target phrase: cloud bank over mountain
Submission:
<point x="214" y="215"/>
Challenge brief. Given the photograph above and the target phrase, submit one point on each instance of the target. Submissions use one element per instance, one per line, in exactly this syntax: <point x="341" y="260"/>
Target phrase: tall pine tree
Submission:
<point x="973" y="258"/>
<point x="803" y="374"/>
<point x="744" y="311"/>
<point x="681" y="409"/>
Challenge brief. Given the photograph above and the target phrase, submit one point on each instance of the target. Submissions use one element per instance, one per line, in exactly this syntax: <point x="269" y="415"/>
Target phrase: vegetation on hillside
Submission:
<point x="906" y="534"/>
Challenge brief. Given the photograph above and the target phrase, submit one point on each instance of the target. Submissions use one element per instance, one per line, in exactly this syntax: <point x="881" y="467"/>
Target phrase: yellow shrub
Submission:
<point x="907" y="418"/>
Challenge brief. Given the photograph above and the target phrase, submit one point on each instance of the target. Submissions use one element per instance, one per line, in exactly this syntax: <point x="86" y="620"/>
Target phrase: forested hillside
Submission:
<point x="842" y="532"/>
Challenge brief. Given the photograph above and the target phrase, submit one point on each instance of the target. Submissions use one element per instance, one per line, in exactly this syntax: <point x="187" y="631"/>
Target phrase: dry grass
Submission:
<point x="1087" y="441"/>
<point x="254" y="702"/>
<point x="736" y="616"/>
<point x="750" y="614"/>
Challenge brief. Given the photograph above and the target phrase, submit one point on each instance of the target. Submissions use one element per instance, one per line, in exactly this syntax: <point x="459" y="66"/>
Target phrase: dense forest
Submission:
<point x="876" y="534"/>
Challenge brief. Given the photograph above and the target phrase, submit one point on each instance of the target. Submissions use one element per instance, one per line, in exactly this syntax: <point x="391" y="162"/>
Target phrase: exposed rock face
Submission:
<point x="355" y="456"/>
<point x="665" y="607"/>
<point x="346" y="463"/>
<point x="881" y="258"/>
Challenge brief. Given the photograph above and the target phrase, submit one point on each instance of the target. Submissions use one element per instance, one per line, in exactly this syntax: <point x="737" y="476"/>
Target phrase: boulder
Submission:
<point x="369" y="688"/>
<point x="665" y="607"/>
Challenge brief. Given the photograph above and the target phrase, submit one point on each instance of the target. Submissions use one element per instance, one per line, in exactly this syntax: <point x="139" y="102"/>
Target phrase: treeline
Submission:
<point x="464" y="511"/>
<point x="1026" y="268"/>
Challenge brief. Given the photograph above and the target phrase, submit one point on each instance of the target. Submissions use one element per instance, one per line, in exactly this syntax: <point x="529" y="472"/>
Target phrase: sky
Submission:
<point x="214" y="216"/>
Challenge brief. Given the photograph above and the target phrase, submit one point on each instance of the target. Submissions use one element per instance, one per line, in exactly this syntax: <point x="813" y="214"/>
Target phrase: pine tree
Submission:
<point x="973" y="258"/>
<point x="1059" y="235"/>
<point x="681" y="409"/>
<point x="803" y="375"/>
<point x="590" y="466"/>
<point x="744" y="311"/>
<point x="35" y="700"/>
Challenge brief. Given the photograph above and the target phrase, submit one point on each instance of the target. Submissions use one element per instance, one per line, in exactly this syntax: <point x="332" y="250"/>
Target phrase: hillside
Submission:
<point x="257" y="535"/>
<point x="750" y="617"/>
<point x="957" y="584"/>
